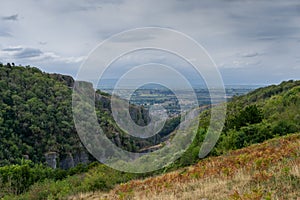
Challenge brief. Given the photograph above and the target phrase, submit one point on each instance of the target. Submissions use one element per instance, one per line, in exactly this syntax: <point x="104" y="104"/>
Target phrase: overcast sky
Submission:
<point x="252" y="42"/>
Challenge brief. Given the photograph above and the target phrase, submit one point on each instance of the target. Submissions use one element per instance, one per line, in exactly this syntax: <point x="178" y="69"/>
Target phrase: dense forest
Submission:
<point x="36" y="118"/>
<point x="35" y="115"/>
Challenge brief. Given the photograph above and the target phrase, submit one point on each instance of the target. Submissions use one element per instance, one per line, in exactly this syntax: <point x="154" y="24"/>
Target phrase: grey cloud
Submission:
<point x="12" y="49"/>
<point x="134" y="38"/>
<point x="249" y="54"/>
<point x="95" y="4"/>
<point x="28" y="53"/>
<point x="11" y="17"/>
<point x="70" y="6"/>
<point x="42" y="43"/>
<point x="5" y="34"/>
<point x="263" y="20"/>
<point x="223" y="27"/>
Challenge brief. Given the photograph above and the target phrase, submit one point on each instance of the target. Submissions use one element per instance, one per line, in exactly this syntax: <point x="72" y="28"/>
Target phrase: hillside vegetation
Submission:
<point x="263" y="114"/>
<point x="270" y="170"/>
<point x="34" y="115"/>
<point x="36" y="118"/>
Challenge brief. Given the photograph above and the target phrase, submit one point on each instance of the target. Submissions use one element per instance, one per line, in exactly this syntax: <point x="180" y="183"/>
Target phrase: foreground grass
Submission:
<point x="270" y="170"/>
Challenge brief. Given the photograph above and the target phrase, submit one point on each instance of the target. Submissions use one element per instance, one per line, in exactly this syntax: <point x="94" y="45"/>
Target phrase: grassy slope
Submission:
<point x="270" y="170"/>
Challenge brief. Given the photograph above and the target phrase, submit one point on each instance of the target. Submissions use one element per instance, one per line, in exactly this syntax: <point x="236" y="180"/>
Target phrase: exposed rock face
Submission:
<point x="68" y="80"/>
<point x="26" y="157"/>
<point x="139" y="114"/>
<point x="51" y="159"/>
<point x="117" y="139"/>
<point x="71" y="160"/>
<point x="67" y="162"/>
<point x="105" y="100"/>
<point x="81" y="157"/>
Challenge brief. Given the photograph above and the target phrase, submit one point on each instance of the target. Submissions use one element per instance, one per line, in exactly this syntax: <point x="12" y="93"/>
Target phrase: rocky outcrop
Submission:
<point x="68" y="80"/>
<point x="71" y="160"/>
<point x="81" y="157"/>
<point x="51" y="159"/>
<point x="66" y="161"/>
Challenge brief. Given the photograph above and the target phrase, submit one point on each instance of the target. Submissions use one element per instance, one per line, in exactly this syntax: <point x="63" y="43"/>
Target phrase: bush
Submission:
<point x="284" y="127"/>
<point x="250" y="115"/>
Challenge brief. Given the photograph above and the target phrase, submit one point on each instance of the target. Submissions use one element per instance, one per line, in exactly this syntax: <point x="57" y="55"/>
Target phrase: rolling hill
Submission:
<point x="36" y="118"/>
<point x="245" y="169"/>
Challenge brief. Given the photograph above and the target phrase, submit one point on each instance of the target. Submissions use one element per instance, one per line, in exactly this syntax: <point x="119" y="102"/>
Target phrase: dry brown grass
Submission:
<point x="270" y="170"/>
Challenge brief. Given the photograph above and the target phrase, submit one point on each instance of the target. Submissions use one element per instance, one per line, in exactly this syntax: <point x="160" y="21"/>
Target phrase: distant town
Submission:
<point x="151" y="95"/>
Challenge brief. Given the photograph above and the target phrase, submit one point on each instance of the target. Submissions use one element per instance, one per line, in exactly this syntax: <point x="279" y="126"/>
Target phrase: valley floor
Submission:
<point x="270" y="170"/>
